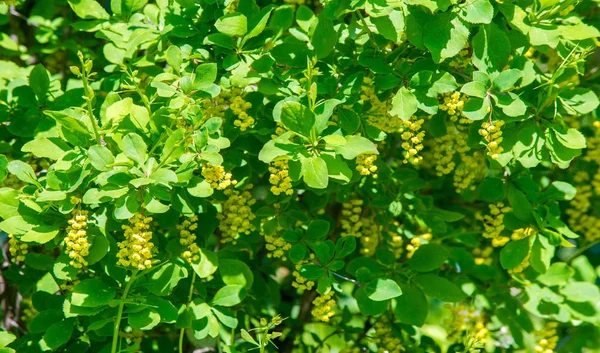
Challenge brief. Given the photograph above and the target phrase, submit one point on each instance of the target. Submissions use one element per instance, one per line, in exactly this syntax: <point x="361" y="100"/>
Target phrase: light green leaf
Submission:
<point x="91" y="293"/>
<point x="446" y="36"/>
<point x="314" y="172"/>
<point x="233" y="25"/>
<point x="135" y="148"/>
<point x="229" y="295"/>
<point x="404" y="104"/>
<point x="382" y="289"/>
<point x="477" y="11"/>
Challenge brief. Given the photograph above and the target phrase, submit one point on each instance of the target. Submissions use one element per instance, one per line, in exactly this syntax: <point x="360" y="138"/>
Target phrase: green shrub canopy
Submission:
<point x="337" y="176"/>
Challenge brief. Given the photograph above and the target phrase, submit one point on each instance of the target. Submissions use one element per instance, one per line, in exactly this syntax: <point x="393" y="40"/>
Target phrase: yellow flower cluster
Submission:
<point x="215" y="107"/>
<point x="396" y="244"/>
<point x="76" y="241"/>
<point x="412" y="135"/>
<point x="461" y="61"/>
<point x="492" y="134"/>
<point x="299" y="281"/>
<point x="17" y="249"/>
<point x="350" y="219"/>
<point x="494" y="224"/>
<point x="68" y="286"/>
<point x="236" y="217"/>
<point x="323" y="307"/>
<point x="415" y="243"/>
<point x="280" y="178"/>
<point x="240" y="107"/>
<point x="378" y="115"/>
<point x="579" y="220"/>
<point x="453" y="104"/>
<point x="483" y="256"/>
<point x="217" y="178"/>
<point x="365" y="164"/>
<point x="384" y="337"/>
<point x="187" y="238"/>
<point x="28" y="311"/>
<point x="277" y="246"/>
<point x="443" y="154"/>
<point x="136" y="250"/>
<point x="469" y="170"/>
<point x="279" y="130"/>
<point x="468" y="321"/>
<point x="370" y="236"/>
<point x="548" y="338"/>
<point x="522" y="233"/>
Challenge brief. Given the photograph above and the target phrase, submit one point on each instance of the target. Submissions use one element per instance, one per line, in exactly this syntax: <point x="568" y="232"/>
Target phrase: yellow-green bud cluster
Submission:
<point x="522" y="233"/>
<point x="350" y="218"/>
<point x="468" y="321"/>
<point x="323" y="307"/>
<point x="384" y="337"/>
<point x="135" y="251"/>
<point x="217" y="178"/>
<point x="236" y="217"/>
<point x="453" y="104"/>
<point x="280" y="178"/>
<point x="277" y="246"/>
<point x="240" y="107"/>
<point x="370" y="236"/>
<point x="17" y="249"/>
<point x="548" y="338"/>
<point x="416" y="242"/>
<point x="378" y="115"/>
<point x="492" y="134"/>
<point x="77" y="245"/>
<point x="299" y="281"/>
<point x="579" y="220"/>
<point x="412" y="135"/>
<point x="494" y="224"/>
<point x="461" y="61"/>
<point x="396" y="244"/>
<point x="467" y="171"/>
<point x="365" y="164"/>
<point x="187" y="238"/>
<point x="483" y="256"/>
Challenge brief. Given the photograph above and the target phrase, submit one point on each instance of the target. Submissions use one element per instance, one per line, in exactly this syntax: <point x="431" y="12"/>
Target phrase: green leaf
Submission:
<point x="520" y="204"/>
<point x="297" y="118"/>
<point x="165" y="279"/>
<point x="135" y="148"/>
<point x="39" y="81"/>
<point x="428" y="257"/>
<point x="205" y="75"/>
<point x="440" y="288"/>
<point x="477" y="108"/>
<point x="43" y="147"/>
<point x="541" y="254"/>
<point x="507" y="79"/>
<point x="571" y="138"/>
<point x="100" y="157"/>
<point x="236" y="272"/>
<point x="314" y="172"/>
<point x="174" y="57"/>
<point x="446" y="37"/>
<point x="91" y="293"/>
<point x="229" y="295"/>
<point x="6" y="338"/>
<point x="324" y="38"/>
<point x="59" y="333"/>
<point x="207" y="264"/>
<point x="559" y="273"/>
<point x="117" y="111"/>
<point x="404" y="104"/>
<point x="311" y="271"/>
<point x="412" y="306"/>
<point x="382" y="289"/>
<point x="233" y="25"/>
<point x="88" y="9"/>
<point x="146" y="319"/>
<point x="368" y="306"/>
<point x="581" y="292"/>
<point x="22" y="171"/>
<point x="491" y="48"/>
<point x="354" y="146"/>
<point x="477" y="11"/>
<point x="579" y="101"/>
<point x="514" y="253"/>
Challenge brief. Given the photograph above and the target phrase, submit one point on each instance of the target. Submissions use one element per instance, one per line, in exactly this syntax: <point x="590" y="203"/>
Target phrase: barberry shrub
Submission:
<point x="333" y="176"/>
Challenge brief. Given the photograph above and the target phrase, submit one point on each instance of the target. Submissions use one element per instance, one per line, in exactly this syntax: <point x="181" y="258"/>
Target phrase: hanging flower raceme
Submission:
<point x="492" y="134"/>
<point x="136" y="250"/>
<point x="377" y="114"/>
<point x="350" y="219"/>
<point x="365" y="164"/>
<point x="240" y="107"/>
<point x="494" y="224"/>
<point x="277" y="246"/>
<point x="416" y="242"/>
<point x="412" y="135"/>
<point x="461" y="61"/>
<point x="467" y="321"/>
<point x="396" y="244"/>
<point x="548" y="338"/>
<point x="370" y="236"/>
<point x="17" y="249"/>
<point x="236" y="216"/>
<point x="469" y="170"/>
<point x="579" y="218"/>
<point x="77" y="245"/>
<point x="299" y="281"/>
<point x="453" y="104"/>
<point x="187" y="238"/>
<point x="384" y="337"/>
<point x="323" y="307"/>
<point x="280" y="178"/>
<point x="483" y="256"/>
<point x="216" y="176"/>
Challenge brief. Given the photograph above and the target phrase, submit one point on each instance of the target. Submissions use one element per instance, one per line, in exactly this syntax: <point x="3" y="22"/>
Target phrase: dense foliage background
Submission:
<point x="335" y="176"/>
